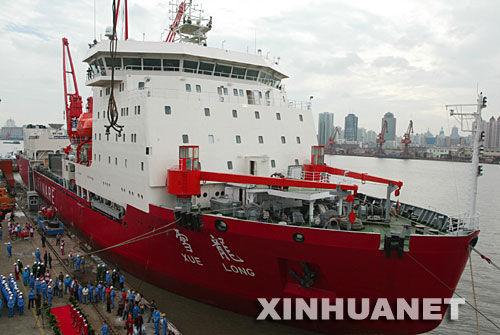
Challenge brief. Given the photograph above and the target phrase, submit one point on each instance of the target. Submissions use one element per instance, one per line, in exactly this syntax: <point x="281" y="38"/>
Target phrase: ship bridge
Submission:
<point x="153" y="57"/>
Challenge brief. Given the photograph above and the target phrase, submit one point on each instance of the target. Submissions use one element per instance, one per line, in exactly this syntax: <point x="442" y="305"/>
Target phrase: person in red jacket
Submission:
<point x="130" y="325"/>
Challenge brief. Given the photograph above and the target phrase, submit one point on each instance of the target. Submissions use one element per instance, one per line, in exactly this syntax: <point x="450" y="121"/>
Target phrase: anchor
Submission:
<point x="309" y="276"/>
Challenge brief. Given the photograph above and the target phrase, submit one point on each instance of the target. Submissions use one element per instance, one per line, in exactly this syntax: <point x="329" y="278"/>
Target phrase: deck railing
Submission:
<point x="458" y="224"/>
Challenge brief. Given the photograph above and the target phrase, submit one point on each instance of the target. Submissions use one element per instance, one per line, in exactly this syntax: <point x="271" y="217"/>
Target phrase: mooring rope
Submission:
<point x="138" y="238"/>
<point x="454" y="292"/>
<point x="474" y="291"/>
<point x="487" y="259"/>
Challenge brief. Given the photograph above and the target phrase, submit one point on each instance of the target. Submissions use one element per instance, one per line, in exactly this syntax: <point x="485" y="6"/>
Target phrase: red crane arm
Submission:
<point x="72" y="101"/>
<point x="177" y="21"/>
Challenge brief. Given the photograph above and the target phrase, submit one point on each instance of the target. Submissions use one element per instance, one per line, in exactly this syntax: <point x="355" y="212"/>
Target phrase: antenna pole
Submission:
<point x="126" y="20"/>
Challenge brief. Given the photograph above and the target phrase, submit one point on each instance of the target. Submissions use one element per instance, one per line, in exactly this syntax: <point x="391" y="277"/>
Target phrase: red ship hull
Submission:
<point x="349" y="264"/>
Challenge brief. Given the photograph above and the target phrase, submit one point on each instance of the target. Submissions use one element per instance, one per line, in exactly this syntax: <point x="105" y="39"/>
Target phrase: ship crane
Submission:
<point x="188" y="24"/>
<point x="330" y="150"/>
<point x="79" y="124"/>
<point x="406" y="140"/>
<point x="381" y="139"/>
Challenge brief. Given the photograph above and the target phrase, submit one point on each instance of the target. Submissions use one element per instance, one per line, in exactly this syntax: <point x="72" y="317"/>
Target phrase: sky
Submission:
<point x="408" y="57"/>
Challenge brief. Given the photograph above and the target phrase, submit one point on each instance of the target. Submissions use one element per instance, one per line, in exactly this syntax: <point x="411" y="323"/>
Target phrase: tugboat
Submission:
<point x="197" y="173"/>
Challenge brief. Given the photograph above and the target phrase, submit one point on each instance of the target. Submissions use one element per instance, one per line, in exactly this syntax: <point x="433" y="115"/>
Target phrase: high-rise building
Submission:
<point x="492" y="129"/>
<point x="351" y="128"/>
<point x="371" y="136"/>
<point x="361" y="135"/>
<point x="454" y="133"/>
<point x="325" y="128"/>
<point x="390" y="132"/>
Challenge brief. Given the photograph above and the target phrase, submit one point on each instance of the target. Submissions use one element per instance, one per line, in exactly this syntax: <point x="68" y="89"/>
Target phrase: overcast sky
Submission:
<point x="364" y="57"/>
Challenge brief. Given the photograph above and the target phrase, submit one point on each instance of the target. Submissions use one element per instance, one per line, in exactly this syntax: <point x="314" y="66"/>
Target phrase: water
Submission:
<point x="431" y="184"/>
<point x="7" y="149"/>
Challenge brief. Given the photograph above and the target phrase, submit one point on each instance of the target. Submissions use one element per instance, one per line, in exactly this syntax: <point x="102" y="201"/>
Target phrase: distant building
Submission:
<point x="371" y="136"/>
<point x="390" y="132"/>
<point x="351" y="128"/>
<point x="441" y="138"/>
<point x="454" y="133"/>
<point x="361" y="135"/>
<point x="10" y="131"/>
<point x="325" y="128"/>
<point x="492" y="129"/>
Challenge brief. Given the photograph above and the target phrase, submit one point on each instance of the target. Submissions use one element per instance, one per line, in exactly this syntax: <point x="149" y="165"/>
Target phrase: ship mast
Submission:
<point x="472" y="122"/>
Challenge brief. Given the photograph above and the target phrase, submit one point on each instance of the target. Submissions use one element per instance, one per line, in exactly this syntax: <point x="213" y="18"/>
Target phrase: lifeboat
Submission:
<point x="84" y="127"/>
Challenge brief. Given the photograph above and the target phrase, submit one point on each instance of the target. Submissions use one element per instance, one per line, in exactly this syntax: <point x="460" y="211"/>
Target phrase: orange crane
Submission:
<point x="180" y="12"/>
<point x="381" y="139"/>
<point x="330" y="149"/>
<point x="406" y="140"/>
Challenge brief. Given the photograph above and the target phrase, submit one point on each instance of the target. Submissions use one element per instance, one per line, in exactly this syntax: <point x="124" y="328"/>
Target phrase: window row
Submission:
<point x="273" y="164"/>
<point x="103" y="65"/>
<point x="238" y="140"/>
<point x="97" y="157"/>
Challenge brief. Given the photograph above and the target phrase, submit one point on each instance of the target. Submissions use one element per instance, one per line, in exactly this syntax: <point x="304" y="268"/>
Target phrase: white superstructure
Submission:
<point x="40" y="140"/>
<point x="169" y="94"/>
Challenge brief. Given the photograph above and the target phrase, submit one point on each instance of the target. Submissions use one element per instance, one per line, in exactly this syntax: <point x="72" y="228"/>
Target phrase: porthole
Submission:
<point x="217" y="193"/>
<point x="221" y="225"/>
<point x="198" y="196"/>
<point x="298" y="237"/>
<point x="222" y="193"/>
<point x="205" y="195"/>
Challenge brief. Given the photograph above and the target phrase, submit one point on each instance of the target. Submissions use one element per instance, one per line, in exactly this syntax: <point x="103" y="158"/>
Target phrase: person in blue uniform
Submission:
<point x="122" y="281"/>
<point x="37" y="255"/>
<point x="80" y="290"/>
<point x="165" y="324"/>
<point x="156" y="320"/>
<point x="9" y="250"/>
<point x="10" y="305"/>
<point x="135" y="312"/>
<point x="49" y="296"/>
<point x="91" y="293"/>
<point x="112" y="293"/>
<point x="67" y="284"/>
<point x="78" y="261"/>
<point x="31" y="298"/>
<point x="108" y="278"/>
<point x="104" y="328"/>
<point x="26" y="275"/>
<point x="98" y="292"/>
<point x="44" y="286"/>
<point x="31" y="280"/>
<point x="0" y="307"/>
<point x="38" y="286"/>
<point x="20" y="304"/>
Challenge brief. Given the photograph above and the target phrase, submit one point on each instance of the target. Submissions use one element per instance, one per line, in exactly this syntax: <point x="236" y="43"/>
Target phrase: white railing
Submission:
<point x="299" y="104"/>
<point x="322" y="177"/>
<point x="458" y="224"/>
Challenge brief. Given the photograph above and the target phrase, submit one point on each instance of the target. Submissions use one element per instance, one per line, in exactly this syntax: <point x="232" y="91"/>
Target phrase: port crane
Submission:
<point x="381" y="139"/>
<point x="406" y="140"/>
<point x="330" y="149"/>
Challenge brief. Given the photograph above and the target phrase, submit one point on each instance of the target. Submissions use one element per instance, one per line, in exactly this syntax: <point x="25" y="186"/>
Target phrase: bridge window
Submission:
<point x="117" y="64"/>
<point x="297" y="162"/>
<point x="188" y="87"/>
<point x="264" y="77"/>
<point x="238" y="139"/>
<point x="168" y="110"/>
<point x="241" y="93"/>
<point x="132" y="63"/>
<point x="229" y="165"/>
<point x="235" y="113"/>
<point x="273" y="163"/>
<point x="261" y="139"/>
<point x="151" y="64"/>
<point x="238" y="72"/>
<point x="257" y="115"/>
<point x="190" y="66"/>
<point x="226" y="91"/>
<point x="252" y="74"/>
<point x="298" y="140"/>
<point x="207" y="111"/>
<point x="301" y="118"/>
<point x="140" y="85"/>
<point x="235" y="92"/>
<point x="171" y="65"/>
<point x="283" y="139"/>
<point x="185" y="138"/>
<point x="278" y="116"/>
<point x="206" y="68"/>
<point x="198" y="88"/>
<point x="222" y="70"/>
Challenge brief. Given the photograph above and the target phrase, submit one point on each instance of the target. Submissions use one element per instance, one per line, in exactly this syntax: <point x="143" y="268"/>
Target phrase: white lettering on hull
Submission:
<point x="239" y="270"/>
<point x="192" y="259"/>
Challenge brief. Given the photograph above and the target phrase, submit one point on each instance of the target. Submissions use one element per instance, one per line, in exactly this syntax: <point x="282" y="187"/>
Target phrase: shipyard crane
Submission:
<point x="176" y="23"/>
<point x="79" y="125"/>
<point x="381" y="139"/>
<point x="406" y="140"/>
<point x="330" y="149"/>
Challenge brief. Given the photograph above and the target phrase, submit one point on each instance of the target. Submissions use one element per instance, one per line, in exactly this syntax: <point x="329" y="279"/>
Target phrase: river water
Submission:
<point x="443" y="186"/>
<point x="432" y="184"/>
